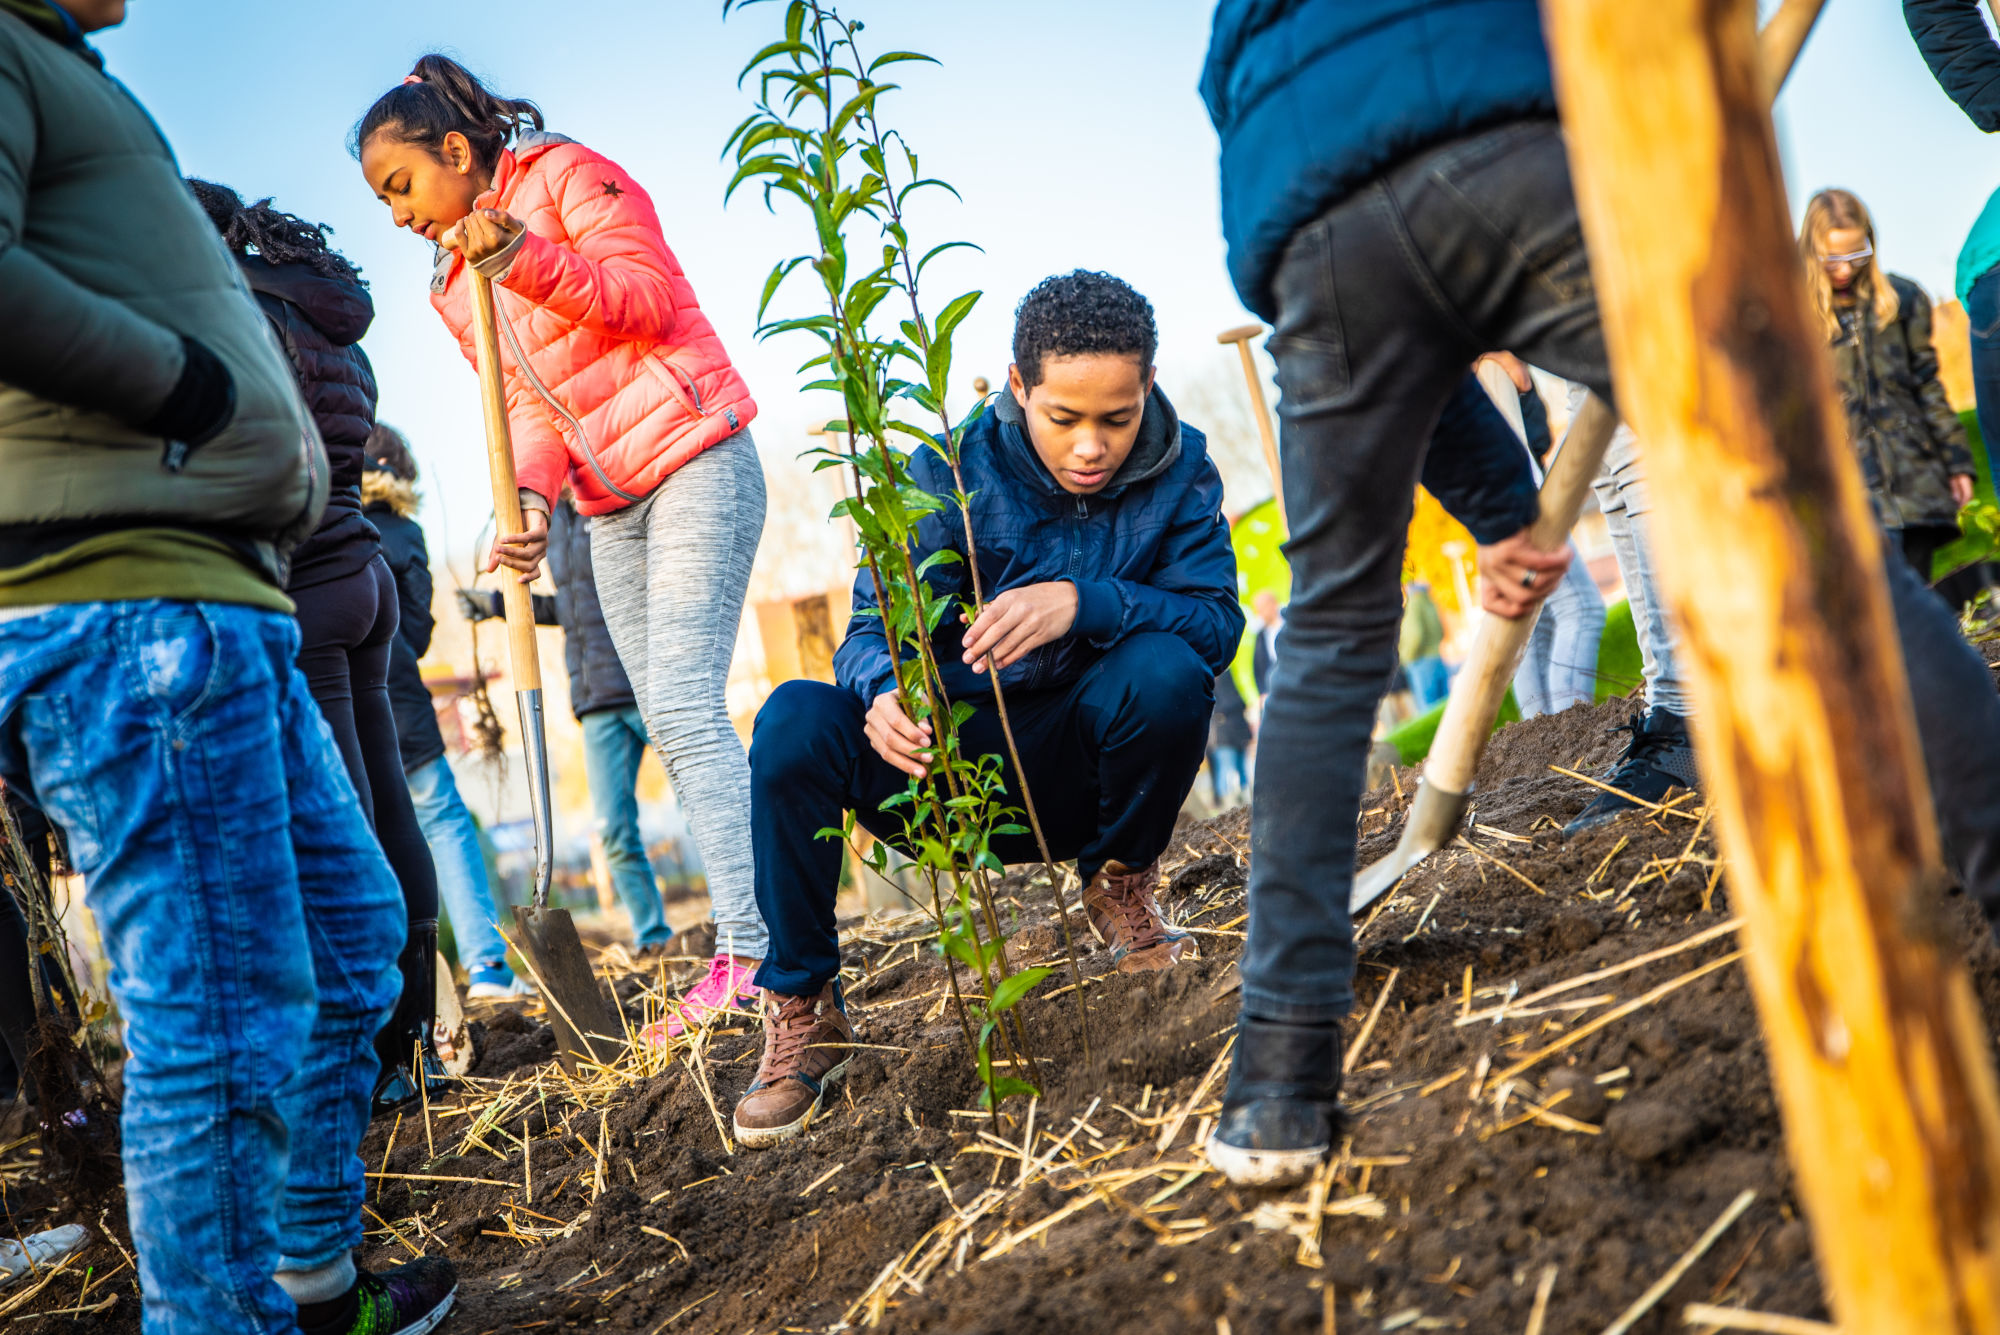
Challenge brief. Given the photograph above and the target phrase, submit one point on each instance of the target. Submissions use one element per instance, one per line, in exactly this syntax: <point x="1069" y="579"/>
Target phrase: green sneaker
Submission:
<point x="406" y="1299"/>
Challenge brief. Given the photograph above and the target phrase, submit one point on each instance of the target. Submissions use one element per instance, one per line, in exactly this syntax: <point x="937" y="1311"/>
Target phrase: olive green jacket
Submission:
<point x="1909" y="439"/>
<point x="106" y="262"/>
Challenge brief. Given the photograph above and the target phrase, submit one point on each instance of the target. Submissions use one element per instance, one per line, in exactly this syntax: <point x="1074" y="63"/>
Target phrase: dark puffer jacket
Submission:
<point x="1314" y="97"/>
<point x="1150" y="552"/>
<point x="597" y="679"/>
<point x="1909" y="439"/>
<point x="409" y="560"/>
<point x="319" y="322"/>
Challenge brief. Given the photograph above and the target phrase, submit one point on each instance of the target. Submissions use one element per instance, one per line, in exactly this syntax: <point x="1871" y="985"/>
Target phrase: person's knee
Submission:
<point x="1168" y="689"/>
<point x="805" y="727"/>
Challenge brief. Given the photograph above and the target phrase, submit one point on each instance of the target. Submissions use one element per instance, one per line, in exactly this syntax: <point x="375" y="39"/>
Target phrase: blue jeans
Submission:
<point x="1228" y="772"/>
<point x="614" y="742"/>
<point x="1559" y="668"/>
<point x="1110" y="758"/>
<point x="1429" y="680"/>
<point x="461" y="871"/>
<point x="252" y="925"/>
<point x="1627" y="503"/>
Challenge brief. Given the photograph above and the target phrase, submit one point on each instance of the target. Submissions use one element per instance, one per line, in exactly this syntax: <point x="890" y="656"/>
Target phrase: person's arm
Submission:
<point x="1946" y="431"/>
<point x="614" y="277"/>
<point x="67" y="344"/>
<point x="1190" y="592"/>
<point x="1478" y="469"/>
<point x="413" y="583"/>
<point x="1955" y="43"/>
<point x="490" y="605"/>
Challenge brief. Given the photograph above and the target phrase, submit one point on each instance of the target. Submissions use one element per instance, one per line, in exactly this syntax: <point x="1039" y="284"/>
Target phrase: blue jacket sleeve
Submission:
<point x="862" y="663"/>
<point x="1191" y="591"/>
<point x="1954" y="41"/>
<point x="1478" y="468"/>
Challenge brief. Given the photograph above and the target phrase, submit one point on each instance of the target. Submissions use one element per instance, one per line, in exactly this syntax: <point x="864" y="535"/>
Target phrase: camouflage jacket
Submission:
<point x="1909" y="439"/>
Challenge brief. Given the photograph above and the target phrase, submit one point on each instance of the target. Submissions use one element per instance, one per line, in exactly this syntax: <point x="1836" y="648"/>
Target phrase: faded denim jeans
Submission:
<point x="1559" y="668"/>
<point x="1384" y="300"/>
<point x="252" y="925"/>
<point x="461" y="867"/>
<point x="614" y="744"/>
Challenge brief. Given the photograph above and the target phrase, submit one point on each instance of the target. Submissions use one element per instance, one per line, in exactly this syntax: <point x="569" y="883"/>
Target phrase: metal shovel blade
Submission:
<point x="587" y="1027"/>
<point x="1433" y="820"/>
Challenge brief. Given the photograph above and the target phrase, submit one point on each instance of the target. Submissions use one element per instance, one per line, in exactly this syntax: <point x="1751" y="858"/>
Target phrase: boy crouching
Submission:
<point x="1112" y="605"/>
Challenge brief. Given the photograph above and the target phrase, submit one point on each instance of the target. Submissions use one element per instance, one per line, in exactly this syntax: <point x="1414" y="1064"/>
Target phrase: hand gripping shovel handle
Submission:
<point x="522" y="650"/>
<point x="1481" y="684"/>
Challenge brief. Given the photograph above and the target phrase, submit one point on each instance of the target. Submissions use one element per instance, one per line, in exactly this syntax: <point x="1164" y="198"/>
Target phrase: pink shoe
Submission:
<point x="727" y="989"/>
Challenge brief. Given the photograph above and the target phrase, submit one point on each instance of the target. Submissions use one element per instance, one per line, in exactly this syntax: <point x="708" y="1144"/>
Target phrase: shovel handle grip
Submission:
<point x="522" y="650"/>
<point x="1481" y="684"/>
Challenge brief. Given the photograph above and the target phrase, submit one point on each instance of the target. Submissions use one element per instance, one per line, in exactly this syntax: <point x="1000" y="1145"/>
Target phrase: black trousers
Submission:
<point x="1384" y="300"/>
<point x="346" y="626"/>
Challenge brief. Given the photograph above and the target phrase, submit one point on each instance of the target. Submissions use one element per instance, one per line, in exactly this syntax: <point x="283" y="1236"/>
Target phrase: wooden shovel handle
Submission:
<point x="525" y="655"/>
<point x="1481" y="685"/>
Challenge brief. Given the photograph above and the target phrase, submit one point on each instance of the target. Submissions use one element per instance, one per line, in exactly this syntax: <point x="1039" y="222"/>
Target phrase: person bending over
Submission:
<point x="1111" y="588"/>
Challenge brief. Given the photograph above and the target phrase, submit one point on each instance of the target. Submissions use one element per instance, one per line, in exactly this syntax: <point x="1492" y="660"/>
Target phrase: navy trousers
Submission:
<point x="1110" y="757"/>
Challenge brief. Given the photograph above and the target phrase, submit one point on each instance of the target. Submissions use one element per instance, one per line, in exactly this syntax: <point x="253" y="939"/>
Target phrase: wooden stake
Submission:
<point x="1241" y="336"/>
<point x="1771" y="565"/>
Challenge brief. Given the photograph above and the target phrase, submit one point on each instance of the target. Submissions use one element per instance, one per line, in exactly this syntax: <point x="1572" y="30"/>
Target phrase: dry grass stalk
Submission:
<point x="1502" y="864"/>
<point x="1414" y="931"/>
<point x="1510" y="1007"/>
<point x="1616" y="849"/>
<point x="1173" y="1127"/>
<point x="387" y="1150"/>
<point x="1539" y="1313"/>
<point x="439" y="1177"/>
<point x="1617" y="1013"/>
<point x="1735" y="1318"/>
<point x="697" y="1068"/>
<point x="1657" y="808"/>
<point x="1368" y="1025"/>
<point x="1666" y="1282"/>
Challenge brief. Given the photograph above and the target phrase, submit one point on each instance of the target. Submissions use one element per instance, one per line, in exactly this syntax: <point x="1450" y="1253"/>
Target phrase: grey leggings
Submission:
<point x="672" y="572"/>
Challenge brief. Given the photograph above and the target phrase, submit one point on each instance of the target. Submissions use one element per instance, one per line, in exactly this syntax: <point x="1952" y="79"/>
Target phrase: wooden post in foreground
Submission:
<point x="1771" y="565"/>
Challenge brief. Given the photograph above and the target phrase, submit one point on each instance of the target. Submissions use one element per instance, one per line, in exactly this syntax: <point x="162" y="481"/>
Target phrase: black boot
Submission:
<point x="1281" y="1105"/>
<point x="1659" y="759"/>
<point x="408" y="1031"/>
<point x="409" y="1299"/>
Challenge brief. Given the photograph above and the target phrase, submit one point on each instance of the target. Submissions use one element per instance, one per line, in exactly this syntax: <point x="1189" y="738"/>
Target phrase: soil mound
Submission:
<point x="1557" y="1085"/>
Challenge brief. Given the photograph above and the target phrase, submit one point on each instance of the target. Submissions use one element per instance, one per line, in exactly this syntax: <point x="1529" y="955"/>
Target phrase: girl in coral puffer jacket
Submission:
<point x="616" y="383"/>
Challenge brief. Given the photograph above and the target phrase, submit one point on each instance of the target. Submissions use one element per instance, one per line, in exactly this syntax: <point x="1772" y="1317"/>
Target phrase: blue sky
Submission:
<point x="1071" y="127"/>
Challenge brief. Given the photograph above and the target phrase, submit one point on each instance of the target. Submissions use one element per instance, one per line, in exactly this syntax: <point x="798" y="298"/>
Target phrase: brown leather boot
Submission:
<point x="1126" y="917"/>
<point x="805" y="1046"/>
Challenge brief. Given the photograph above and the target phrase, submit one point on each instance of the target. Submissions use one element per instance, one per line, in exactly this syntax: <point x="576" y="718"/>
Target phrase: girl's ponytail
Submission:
<point x="442" y="97"/>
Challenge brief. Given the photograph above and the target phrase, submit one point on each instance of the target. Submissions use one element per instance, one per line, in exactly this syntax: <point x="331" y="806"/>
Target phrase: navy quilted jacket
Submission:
<point x="1150" y="552"/>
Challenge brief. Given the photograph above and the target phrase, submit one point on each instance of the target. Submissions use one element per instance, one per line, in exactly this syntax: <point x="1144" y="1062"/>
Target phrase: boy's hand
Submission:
<point x="895" y="738"/>
<point x="1020" y="621"/>
<point x="1961" y="489"/>
<point x="481" y="234"/>
<point x="1515" y="575"/>
<point x="523" y="552"/>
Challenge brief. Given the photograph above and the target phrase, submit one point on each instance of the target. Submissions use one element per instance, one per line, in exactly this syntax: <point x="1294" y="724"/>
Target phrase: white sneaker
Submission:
<point x="40" y="1249"/>
<point x="515" y="990"/>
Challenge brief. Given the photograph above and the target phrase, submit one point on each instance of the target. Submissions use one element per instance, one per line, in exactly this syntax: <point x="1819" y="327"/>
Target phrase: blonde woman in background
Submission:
<point x="1912" y="447"/>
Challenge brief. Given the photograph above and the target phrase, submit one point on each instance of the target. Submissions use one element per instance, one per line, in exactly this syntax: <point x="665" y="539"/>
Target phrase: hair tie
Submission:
<point x="412" y="78"/>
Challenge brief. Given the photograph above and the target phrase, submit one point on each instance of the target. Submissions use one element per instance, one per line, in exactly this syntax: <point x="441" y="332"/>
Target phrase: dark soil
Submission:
<point x="1453" y="1195"/>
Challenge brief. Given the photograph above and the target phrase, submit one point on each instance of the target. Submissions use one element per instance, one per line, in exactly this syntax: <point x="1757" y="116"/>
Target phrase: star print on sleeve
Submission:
<point x="613" y="189"/>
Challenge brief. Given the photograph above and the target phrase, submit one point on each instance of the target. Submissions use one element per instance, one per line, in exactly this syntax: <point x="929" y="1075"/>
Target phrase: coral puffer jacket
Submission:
<point x="614" y="376"/>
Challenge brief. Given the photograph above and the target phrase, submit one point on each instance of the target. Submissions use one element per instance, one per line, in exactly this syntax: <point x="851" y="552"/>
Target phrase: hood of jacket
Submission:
<point x="1153" y="454"/>
<point x="340" y="308"/>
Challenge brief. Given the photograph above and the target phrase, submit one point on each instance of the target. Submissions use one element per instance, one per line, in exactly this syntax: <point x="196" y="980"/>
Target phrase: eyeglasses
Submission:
<point x="1852" y="257"/>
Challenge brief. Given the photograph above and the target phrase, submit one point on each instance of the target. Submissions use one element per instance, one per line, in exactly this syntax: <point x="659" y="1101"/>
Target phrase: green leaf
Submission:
<point x="936" y="251"/>
<point x="959" y="307"/>
<point x="895" y="57"/>
<point x="771" y="51"/>
<point x="760" y="165"/>
<point x="1011" y="990"/>
<point x="771" y="284"/>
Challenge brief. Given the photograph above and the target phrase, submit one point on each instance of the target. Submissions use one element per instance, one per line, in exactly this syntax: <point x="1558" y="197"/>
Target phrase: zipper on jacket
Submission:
<point x="582" y="437"/>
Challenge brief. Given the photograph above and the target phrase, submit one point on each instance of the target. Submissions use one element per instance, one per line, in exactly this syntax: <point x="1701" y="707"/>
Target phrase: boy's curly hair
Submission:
<point x="270" y="234"/>
<point x="1080" y="313"/>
